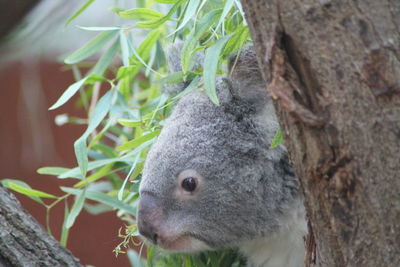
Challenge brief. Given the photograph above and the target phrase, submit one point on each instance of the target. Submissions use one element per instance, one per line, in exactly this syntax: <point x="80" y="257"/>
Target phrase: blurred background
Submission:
<point x="33" y="78"/>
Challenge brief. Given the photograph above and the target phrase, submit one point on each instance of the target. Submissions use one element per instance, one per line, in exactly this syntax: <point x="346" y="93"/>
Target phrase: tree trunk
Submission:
<point x="333" y="68"/>
<point x="23" y="242"/>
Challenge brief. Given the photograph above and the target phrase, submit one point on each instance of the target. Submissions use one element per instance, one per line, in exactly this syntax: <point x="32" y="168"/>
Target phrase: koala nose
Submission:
<point x="149" y="217"/>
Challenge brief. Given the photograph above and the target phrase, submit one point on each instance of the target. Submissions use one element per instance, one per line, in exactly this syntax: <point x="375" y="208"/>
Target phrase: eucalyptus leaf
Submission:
<point x="6" y="182"/>
<point x="278" y="139"/>
<point x="79" y="11"/>
<point x="190" y="13"/>
<point x="70" y="92"/>
<point x="210" y="68"/>
<point x="91" y="47"/>
<point x="52" y="170"/>
<point x="140" y="13"/>
<point x="76" y="209"/>
<point x="157" y="22"/>
<point x="102" y="198"/>
<point x="187" y="55"/>
<point x="20" y="188"/>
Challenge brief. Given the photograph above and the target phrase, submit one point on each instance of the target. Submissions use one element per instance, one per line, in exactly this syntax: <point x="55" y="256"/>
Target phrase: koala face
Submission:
<point x="210" y="180"/>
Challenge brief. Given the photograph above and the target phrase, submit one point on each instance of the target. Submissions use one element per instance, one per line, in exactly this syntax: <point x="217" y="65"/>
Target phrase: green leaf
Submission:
<point x="124" y="71"/>
<point x="95" y="176"/>
<point x="131" y="123"/>
<point x="75" y="172"/>
<point x="137" y="141"/>
<point x="157" y="22"/>
<point x="123" y="40"/>
<point x="5" y="183"/>
<point x="99" y="113"/>
<point x="193" y="85"/>
<point x="134" y="258"/>
<point x="278" y="139"/>
<point x="145" y="47"/>
<point x="121" y="190"/>
<point x="71" y="90"/>
<point x="210" y="68"/>
<point x="102" y="198"/>
<point x="91" y="47"/>
<point x="190" y="12"/>
<point x="98" y="69"/>
<point x="187" y="53"/>
<point x="97" y="209"/>
<point x="80" y="10"/>
<point x="76" y="209"/>
<point x="93" y="78"/>
<point x="52" y="170"/>
<point x="143" y="51"/>
<point x="106" y="59"/>
<point x="99" y="29"/>
<point x="239" y="38"/>
<point x="27" y="191"/>
<point x="227" y="7"/>
<point x="64" y="229"/>
<point x="166" y="1"/>
<point x="81" y="155"/>
<point x="140" y="13"/>
<point x="174" y="77"/>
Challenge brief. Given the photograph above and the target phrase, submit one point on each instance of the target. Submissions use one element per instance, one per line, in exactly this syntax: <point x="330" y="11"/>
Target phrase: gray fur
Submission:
<point x="249" y="189"/>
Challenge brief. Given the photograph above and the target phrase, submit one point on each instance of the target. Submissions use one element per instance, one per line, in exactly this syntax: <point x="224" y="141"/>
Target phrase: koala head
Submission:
<point x="210" y="180"/>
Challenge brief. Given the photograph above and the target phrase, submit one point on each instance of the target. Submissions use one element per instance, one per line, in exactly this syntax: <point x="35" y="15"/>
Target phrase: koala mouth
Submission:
<point x="183" y="243"/>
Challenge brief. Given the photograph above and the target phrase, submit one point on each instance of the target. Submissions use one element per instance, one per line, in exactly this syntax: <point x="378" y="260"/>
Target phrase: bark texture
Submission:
<point x="333" y="67"/>
<point x="23" y="242"/>
<point x="12" y="12"/>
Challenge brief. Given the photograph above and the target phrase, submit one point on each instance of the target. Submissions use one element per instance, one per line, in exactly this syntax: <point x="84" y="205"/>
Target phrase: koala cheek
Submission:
<point x="149" y="218"/>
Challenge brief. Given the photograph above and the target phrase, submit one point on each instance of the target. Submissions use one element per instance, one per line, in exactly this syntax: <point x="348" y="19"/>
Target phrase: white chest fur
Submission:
<point x="285" y="248"/>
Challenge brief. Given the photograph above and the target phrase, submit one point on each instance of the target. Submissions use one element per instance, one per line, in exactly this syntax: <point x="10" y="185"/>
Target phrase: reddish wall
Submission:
<point x="92" y="238"/>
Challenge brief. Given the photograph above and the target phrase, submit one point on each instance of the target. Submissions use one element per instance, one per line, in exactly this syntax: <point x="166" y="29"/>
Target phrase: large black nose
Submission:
<point x="149" y="217"/>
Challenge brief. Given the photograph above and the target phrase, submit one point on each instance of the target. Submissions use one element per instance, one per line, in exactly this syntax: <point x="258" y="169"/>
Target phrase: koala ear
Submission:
<point x="173" y="56"/>
<point x="246" y="78"/>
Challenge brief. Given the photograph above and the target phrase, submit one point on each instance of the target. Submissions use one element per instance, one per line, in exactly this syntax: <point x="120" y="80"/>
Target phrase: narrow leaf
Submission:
<point x="64" y="229"/>
<point x="187" y="53"/>
<point x="91" y="47"/>
<point x="102" y="198"/>
<point x="140" y="13"/>
<point x="157" y="22"/>
<point x="278" y="139"/>
<point x="210" y="68"/>
<point x="121" y="190"/>
<point x="166" y="1"/>
<point x="5" y="183"/>
<point x="81" y="155"/>
<point x="106" y="59"/>
<point x="137" y="141"/>
<point x="76" y="209"/>
<point x="71" y="90"/>
<point x="28" y="192"/>
<point x="80" y="10"/>
<point x="189" y="13"/>
<point x="52" y="170"/>
<point x="134" y="258"/>
<point x="99" y="29"/>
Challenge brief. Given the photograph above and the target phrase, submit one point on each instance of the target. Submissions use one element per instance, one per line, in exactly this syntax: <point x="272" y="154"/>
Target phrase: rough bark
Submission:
<point x="12" y="12"/>
<point x="23" y="242"/>
<point x="333" y="67"/>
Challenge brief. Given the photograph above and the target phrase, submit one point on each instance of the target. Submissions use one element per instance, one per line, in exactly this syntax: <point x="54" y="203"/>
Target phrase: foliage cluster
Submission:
<point x="120" y="90"/>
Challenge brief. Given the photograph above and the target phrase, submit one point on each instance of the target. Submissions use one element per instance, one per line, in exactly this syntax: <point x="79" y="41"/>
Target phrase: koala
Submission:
<point x="211" y="181"/>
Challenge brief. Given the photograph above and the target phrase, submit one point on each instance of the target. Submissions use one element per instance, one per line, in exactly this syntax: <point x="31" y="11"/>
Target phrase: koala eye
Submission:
<point x="189" y="184"/>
